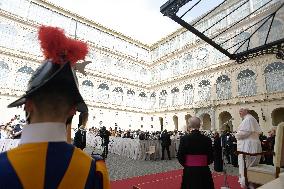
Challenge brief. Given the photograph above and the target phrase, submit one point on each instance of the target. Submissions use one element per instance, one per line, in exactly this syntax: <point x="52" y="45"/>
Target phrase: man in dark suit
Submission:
<point x="104" y="134"/>
<point x="195" y="154"/>
<point x="80" y="135"/>
<point x="166" y="142"/>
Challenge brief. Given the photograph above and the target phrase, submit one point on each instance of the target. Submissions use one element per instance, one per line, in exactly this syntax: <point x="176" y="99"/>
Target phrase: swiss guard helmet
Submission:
<point x="61" y="54"/>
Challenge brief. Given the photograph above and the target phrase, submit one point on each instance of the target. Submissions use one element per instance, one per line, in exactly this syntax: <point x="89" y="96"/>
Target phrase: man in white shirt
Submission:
<point x="248" y="141"/>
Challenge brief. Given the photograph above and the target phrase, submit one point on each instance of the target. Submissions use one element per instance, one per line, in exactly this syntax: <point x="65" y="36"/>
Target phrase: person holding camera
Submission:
<point x="104" y="134"/>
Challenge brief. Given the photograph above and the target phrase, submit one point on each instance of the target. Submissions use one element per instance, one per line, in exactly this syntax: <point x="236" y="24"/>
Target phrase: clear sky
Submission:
<point x="138" y="19"/>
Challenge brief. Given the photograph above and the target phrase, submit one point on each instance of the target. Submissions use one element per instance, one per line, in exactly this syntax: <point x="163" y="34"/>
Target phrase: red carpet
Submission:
<point x="168" y="180"/>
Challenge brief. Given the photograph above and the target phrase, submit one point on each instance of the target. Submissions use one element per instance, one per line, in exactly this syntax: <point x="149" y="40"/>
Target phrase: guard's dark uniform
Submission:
<point x="195" y="154"/>
<point x="80" y="139"/>
<point x="166" y="142"/>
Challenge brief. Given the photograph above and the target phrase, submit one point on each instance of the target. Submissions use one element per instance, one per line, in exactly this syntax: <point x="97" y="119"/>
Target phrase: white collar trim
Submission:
<point x="44" y="132"/>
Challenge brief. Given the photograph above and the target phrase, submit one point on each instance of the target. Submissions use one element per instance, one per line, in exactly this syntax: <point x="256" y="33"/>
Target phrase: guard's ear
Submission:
<point x="72" y="111"/>
<point x="29" y="106"/>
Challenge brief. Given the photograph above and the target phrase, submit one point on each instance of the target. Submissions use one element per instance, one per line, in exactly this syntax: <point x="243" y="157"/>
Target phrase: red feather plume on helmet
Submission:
<point x="56" y="46"/>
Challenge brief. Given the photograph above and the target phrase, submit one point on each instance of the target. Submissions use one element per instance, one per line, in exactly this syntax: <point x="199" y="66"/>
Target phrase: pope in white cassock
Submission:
<point x="248" y="141"/>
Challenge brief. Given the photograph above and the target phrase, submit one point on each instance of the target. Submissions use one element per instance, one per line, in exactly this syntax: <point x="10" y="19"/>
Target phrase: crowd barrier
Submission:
<point x="132" y="148"/>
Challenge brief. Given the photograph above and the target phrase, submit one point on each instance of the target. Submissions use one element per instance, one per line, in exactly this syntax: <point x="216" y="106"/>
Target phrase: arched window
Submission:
<point x="22" y="78"/>
<point x="26" y="70"/>
<point x="8" y="35"/>
<point x="4" y="65"/>
<point x="163" y="98"/>
<point x="118" y="90"/>
<point x="175" y="90"/>
<point x="204" y="83"/>
<point x="143" y="95"/>
<point x="153" y="95"/>
<point x="103" y="92"/>
<point x="87" y="90"/>
<point x="175" y="96"/>
<point x="152" y="99"/>
<point x="103" y="86"/>
<point x="175" y="67"/>
<point x="223" y="87"/>
<point x="186" y="63"/>
<point x="88" y="83"/>
<point x="117" y="95"/>
<point x="204" y="89"/>
<point x="4" y="74"/>
<point x="246" y="83"/>
<point x="188" y="94"/>
<point x="30" y="43"/>
<point x="143" y="100"/>
<point x="274" y="77"/>
<point x="130" y="98"/>
<point x="130" y="92"/>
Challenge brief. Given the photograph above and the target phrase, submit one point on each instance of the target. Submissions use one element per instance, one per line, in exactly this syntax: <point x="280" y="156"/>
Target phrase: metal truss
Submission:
<point x="236" y="50"/>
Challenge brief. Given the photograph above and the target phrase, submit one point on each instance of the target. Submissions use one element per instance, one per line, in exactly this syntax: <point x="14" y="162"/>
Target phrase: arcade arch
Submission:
<point x="254" y="114"/>
<point x="186" y="117"/>
<point x="225" y="121"/>
<point x="175" y="120"/>
<point x="206" y="122"/>
<point x="277" y="116"/>
<point x="161" y="123"/>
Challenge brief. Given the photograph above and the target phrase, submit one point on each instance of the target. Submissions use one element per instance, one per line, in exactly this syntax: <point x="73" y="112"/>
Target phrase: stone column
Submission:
<point x="260" y="81"/>
<point x="213" y="92"/>
<point x="234" y="86"/>
<point x="212" y="115"/>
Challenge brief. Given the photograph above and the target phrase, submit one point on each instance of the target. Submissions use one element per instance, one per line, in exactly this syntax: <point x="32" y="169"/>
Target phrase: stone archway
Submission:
<point x="186" y="117"/>
<point x="161" y="123"/>
<point x="206" y="122"/>
<point x="175" y="119"/>
<point x="254" y="114"/>
<point x="277" y="116"/>
<point x="225" y="121"/>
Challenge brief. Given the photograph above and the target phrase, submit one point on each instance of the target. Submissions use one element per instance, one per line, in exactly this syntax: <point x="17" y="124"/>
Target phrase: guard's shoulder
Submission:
<point x="97" y="157"/>
<point x="14" y="150"/>
<point x="2" y="155"/>
<point x="82" y="153"/>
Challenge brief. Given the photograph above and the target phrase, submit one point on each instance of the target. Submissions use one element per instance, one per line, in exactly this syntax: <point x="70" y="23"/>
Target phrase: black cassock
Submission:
<point x="196" y="177"/>
<point x="80" y="139"/>
<point x="218" y="160"/>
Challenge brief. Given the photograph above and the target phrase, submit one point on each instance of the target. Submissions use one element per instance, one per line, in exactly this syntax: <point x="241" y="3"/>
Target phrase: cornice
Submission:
<point x="21" y="55"/>
<point x="225" y="64"/>
<point x="115" y="79"/>
<point x="119" y="54"/>
<point x="259" y="98"/>
<point x="39" y="59"/>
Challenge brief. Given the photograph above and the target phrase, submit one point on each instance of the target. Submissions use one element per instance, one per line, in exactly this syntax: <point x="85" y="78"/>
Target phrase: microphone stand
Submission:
<point x="225" y="185"/>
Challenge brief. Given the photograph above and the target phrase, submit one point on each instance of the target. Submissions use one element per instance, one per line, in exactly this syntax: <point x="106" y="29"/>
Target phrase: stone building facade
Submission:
<point x="131" y="85"/>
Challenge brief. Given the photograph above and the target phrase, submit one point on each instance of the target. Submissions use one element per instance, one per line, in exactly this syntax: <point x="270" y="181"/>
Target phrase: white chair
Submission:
<point x="151" y="151"/>
<point x="262" y="174"/>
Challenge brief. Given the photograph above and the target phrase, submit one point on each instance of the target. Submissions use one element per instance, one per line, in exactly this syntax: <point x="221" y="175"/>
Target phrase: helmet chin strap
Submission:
<point x="28" y="114"/>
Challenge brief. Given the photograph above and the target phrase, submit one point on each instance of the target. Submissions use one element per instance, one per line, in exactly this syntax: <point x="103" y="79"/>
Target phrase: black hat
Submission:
<point x="61" y="53"/>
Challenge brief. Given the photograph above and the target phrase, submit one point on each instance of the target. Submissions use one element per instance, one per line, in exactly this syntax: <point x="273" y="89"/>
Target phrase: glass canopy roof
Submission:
<point x="242" y="37"/>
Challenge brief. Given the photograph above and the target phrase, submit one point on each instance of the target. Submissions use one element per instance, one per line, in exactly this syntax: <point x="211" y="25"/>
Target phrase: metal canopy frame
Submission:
<point x="172" y="7"/>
